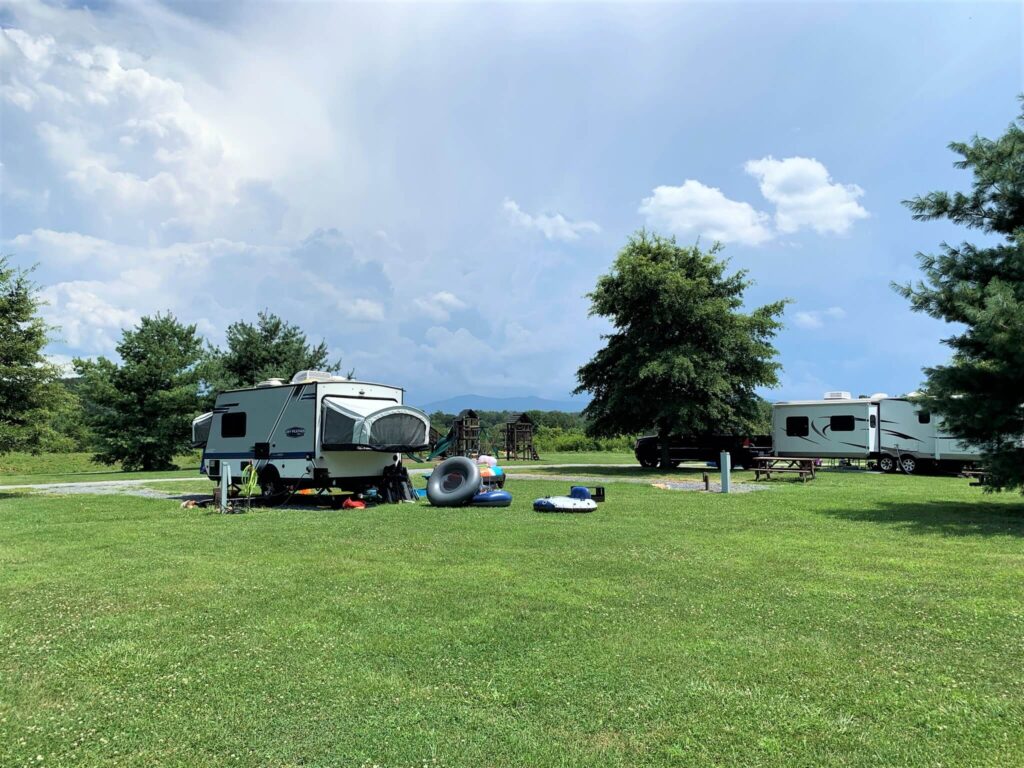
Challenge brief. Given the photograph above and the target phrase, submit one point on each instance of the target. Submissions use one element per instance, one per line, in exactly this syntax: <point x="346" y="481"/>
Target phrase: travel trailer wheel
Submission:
<point x="272" y="490"/>
<point x="909" y="464"/>
<point x="887" y="464"/>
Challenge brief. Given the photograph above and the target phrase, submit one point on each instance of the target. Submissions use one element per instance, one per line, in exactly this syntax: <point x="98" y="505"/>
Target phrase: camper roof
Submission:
<point x="338" y="380"/>
<point x="872" y="399"/>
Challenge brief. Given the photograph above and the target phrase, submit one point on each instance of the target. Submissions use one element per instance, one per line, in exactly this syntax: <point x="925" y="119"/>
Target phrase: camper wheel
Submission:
<point x="886" y="463"/>
<point x="909" y="464"/>
<point x="272" y="490"/>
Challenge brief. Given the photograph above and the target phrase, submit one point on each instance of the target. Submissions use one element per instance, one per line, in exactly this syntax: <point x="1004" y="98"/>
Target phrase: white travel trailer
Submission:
<point x="316" y="431"/>
<point x="892" y="430"/>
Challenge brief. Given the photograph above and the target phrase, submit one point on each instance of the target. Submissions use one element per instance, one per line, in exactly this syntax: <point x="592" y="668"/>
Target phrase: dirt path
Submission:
<point x="141" y="487"/>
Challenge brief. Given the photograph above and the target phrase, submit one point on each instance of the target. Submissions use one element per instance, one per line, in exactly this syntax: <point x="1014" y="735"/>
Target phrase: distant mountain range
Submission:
<point x="483" y="403"/>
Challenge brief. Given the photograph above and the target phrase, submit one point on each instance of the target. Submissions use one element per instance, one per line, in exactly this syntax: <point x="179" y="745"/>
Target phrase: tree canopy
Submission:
<point x="980" y="392"/>
<point x="29" y="392"/>
<point x="683" y="356"/>
<point x="141" y="409"/>
<point x="270" y="348"/>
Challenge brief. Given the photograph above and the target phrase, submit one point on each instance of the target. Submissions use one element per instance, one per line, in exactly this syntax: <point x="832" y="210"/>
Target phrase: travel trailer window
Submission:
<point x="874" y="421"/>
<point x="842" y="424"/>
<point x="923" y="417"/>
<point x="797" y="426"/>
<point x="232" y="424"/>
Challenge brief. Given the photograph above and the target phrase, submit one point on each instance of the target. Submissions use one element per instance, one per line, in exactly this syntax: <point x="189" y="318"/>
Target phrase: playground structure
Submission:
<point x="519" y="439"/>
<point x="463" y="439"/>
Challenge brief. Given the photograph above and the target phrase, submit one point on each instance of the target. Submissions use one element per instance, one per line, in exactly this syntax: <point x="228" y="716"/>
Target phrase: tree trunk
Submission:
<point x="663" y="444"/>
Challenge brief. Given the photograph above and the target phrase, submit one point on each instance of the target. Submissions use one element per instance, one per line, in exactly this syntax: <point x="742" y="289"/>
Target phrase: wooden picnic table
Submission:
<point x="769" y="465"/>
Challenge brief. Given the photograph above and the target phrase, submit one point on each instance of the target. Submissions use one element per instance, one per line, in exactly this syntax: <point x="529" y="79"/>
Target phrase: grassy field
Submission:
<point x="859" y="620"/>
<point x="26" y="469"/>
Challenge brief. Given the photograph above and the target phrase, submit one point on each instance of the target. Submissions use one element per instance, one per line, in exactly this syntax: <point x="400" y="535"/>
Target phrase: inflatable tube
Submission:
<point x="492" y="499"/>
<point x="564" y="504"/>
<point x="453" y="483"/>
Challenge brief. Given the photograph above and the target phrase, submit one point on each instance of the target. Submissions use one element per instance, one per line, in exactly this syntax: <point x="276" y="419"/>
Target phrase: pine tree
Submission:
<point x="272" y="348"/>
<point x="141" y="409"/>
<point x="28" y="388"/>
<point x="980" y="392"/>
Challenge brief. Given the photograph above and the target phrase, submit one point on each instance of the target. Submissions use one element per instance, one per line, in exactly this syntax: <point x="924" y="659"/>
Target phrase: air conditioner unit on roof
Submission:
<point x="838" y="396"/>
<point x="304" y="376"/>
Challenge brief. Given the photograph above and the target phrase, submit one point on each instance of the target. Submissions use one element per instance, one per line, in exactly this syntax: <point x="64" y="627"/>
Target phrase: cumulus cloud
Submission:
<point x="696" y="209"/>
<point x="814" y="319"/>
<point x="440" y="305"/>
<point x="127" y="140"/>
<point x="805" y="196"/>
<point x="800" y="188"/>
<point x="553" y="226"/>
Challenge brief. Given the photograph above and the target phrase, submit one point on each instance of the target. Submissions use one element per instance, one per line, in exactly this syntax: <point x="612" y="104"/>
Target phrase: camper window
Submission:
<point x="842" y="423"/>
<point x="923" y="417"/>
<point x="874" y="421"/>
<point x="797" y="426"/>
<point x="232" y="424"/>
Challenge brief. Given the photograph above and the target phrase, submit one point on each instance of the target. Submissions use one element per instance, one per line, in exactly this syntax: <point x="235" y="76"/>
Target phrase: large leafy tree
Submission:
<point x="28" y="381"/>
<point x="980" y="392"/>
<point x="141" y="409"/>
<point x="270" y="348"/>
<point x="683" y="357"/>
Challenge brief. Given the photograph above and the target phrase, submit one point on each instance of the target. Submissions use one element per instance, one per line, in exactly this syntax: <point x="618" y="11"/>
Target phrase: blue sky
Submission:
<point x="434" y="188"/>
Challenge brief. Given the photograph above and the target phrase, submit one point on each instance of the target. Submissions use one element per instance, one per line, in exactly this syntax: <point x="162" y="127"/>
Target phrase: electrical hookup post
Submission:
<point x="225" y="486"/>
<point x="725" y="464"/>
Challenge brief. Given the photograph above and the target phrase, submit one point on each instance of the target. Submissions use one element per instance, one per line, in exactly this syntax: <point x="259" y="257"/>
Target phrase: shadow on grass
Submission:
<point x="681" y="473"/>
<point x="949" y="518"/>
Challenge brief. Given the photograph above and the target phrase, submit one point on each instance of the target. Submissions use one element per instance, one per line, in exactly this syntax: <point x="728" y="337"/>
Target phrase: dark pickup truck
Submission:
<point x="704" y="448"/>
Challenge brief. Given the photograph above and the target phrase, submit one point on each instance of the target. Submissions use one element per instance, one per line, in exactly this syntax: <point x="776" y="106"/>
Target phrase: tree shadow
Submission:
<point x="948" y="518"/>
<point x="626" y="470"/>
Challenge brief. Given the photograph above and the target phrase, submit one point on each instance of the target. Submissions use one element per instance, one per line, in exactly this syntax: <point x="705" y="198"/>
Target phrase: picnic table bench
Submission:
<point x="769" y="465"/>
<point x="977" y="476"/>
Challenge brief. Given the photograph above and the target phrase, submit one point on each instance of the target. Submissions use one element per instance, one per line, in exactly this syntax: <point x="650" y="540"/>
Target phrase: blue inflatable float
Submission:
<point x="492" y="499"/>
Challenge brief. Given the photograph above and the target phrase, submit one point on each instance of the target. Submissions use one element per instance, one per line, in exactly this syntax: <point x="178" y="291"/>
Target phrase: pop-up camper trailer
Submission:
<point x="889" y="429"/>
<point x="316" y="431"/>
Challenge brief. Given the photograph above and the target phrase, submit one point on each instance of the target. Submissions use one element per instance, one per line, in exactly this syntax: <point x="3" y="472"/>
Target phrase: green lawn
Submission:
<point x="28" y="469"/>
<point x="858" y="620"/>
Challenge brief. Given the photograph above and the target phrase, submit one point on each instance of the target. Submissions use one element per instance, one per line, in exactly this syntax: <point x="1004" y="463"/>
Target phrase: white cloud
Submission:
<point x="553" y="226"/>
<point x="439" y="306"/>
<point x="805" y="196"/>
<point x="125" y="140"/>
<point x="814" y="319"/>
<point x="696" y="209"/>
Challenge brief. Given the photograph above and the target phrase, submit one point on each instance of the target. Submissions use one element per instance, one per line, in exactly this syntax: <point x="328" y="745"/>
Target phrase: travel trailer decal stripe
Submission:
<point x="249" y="455"/>
<point x="894" y="433"/>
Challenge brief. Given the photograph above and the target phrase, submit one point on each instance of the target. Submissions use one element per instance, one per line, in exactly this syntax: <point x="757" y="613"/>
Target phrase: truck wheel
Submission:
<point x="908" y="464"/>
<point x="887" y="463"/>
<point x="648" y="461"/>
<point x="453" y="482"/>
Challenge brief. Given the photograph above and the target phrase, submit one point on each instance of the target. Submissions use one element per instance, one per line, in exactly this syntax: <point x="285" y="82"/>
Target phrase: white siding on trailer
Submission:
<point x="902" y="431"/>
<point x="834" y="429"/>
